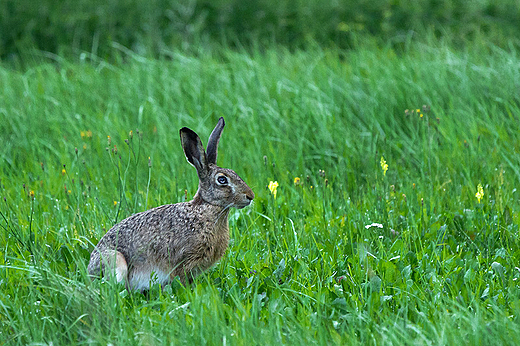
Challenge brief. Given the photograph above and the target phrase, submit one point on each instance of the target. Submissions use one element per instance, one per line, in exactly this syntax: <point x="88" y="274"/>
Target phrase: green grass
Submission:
<point x="302" y="267"/>
<point x="150" y="27"/>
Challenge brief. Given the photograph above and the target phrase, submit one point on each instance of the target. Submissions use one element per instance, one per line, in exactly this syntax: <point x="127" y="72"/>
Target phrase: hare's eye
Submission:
<point x="222" y="180"/>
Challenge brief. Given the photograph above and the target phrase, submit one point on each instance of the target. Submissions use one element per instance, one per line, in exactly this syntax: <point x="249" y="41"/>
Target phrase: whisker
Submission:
<point x="222" y="212"/>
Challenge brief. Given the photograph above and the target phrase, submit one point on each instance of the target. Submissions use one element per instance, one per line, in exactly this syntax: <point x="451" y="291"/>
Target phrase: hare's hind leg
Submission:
<point x="110" y="263"/>
<point x="121" y="267"/>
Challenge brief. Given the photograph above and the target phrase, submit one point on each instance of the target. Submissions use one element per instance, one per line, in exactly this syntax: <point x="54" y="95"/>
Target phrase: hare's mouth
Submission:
<point x="243" y="203"/>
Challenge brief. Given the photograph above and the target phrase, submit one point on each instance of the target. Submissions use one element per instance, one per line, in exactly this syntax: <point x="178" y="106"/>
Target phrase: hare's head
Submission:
<point x="217" y="186"/>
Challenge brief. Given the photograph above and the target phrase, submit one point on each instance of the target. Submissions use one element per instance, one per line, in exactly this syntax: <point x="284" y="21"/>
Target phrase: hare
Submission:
<point x="182" y="239"/>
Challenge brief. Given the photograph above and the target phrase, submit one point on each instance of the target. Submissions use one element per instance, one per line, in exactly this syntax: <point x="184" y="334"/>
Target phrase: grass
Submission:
<point x="304" y="267"/>
<point x="150" y="27"/>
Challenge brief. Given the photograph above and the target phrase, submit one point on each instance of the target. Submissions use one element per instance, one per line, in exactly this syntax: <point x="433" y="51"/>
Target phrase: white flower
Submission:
<point x="378" y="225"/>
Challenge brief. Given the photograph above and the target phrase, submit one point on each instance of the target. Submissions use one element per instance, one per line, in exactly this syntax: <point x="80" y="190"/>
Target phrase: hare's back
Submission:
<point x="150" y="228"/>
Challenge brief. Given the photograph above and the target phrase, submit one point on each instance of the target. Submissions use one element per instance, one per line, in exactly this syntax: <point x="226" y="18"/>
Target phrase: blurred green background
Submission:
<point x="151" y="27"/>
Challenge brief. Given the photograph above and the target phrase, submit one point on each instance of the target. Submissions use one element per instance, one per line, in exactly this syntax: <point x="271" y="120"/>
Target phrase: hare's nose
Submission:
<point x="250" y="196"/>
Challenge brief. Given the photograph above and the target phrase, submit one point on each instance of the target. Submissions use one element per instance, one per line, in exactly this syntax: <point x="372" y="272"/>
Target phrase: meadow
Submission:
<point x="377" y="234"/>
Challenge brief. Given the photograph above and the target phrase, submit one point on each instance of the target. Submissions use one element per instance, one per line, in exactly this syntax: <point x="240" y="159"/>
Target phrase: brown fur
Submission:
<point x="180" y="239"/>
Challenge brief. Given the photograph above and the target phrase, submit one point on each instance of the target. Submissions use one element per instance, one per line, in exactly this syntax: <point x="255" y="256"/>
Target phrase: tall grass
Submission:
<point x="155" y="26"/>
<point x="436" y="266"/>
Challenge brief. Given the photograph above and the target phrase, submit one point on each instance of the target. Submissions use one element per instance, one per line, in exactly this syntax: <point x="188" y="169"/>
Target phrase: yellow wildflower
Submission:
<point x="297" y="181"/>
<point x="31" y="194"/>
<point x="115" y="203"/>
<point x="63" y="171"/>
<point x="480" y="192"/>
<point x="273" y="185"/>
<point x="384" y="166"/>
<point x="87" y="134"/>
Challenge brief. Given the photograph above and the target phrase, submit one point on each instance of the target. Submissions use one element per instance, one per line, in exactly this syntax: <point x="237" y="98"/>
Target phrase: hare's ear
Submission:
<point x="194" y="150"/>
<point x="213" y="141"/>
